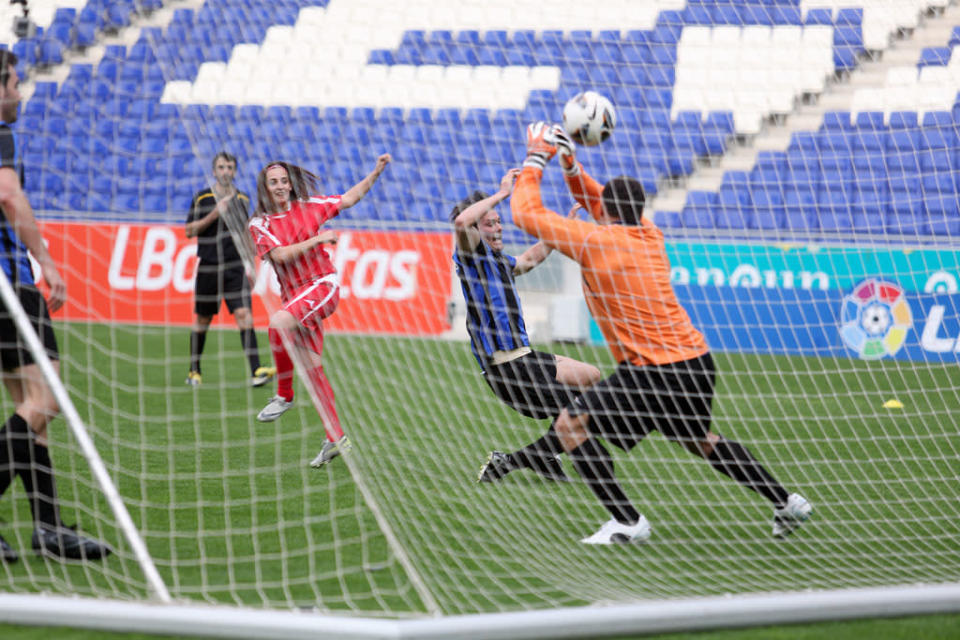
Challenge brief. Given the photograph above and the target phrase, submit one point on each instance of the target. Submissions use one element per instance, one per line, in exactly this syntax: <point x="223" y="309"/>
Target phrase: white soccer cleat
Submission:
<point x="613" y="532"/>
<point x="330" y="451"/>
<point x="791" y="516"/>
<point x="274" y="409"/>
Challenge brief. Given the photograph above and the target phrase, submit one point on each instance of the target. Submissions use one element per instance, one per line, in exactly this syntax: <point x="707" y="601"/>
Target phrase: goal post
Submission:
<point x="646" y="618"/>
<point x="28" y="334"/>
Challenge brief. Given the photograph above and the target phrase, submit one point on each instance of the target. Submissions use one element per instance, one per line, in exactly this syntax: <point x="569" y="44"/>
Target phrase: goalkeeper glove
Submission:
<point x="566" y="149"/>
<point x="540" y="147"/>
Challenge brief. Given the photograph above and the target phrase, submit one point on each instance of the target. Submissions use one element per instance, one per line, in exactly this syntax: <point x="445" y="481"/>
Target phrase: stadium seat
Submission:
<point x="934" y="56"/>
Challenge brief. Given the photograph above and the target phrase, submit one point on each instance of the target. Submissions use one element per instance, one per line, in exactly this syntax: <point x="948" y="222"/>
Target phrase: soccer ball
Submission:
<point x="589" y="118"/>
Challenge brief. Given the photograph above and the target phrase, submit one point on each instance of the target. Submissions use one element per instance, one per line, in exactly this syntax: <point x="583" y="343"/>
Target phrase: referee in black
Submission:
<point x="23" y="437"/>
<point x="218" y="219"/>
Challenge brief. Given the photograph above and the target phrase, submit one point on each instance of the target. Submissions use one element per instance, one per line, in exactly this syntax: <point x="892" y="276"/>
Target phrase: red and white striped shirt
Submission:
<point x="300" y="222"/>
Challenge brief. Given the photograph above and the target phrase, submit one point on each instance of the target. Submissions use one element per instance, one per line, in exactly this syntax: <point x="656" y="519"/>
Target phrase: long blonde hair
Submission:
<point x="303" y="184"/>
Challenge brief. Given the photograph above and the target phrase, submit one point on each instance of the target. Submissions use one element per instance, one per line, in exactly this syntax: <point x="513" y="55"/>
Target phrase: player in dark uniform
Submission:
<point x="536" y="384"/>
<point x="218" y="219"/>
<point x="23" y="437"/>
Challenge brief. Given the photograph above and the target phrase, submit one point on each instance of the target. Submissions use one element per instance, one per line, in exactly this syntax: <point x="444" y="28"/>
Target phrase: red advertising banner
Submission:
<point x="391" y="282"/>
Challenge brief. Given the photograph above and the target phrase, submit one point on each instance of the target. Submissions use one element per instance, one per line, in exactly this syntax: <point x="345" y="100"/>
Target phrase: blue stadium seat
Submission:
<point x="934" y="56"/>
<point x="768" y="207"/>
<point x="725" y="14"/>
<point x="697" y="14"/>
<point x="849" y="16"/>
<point x="943" y="214"/>
<point x="785" y="14"/>
<point x="836" y="121"/>
<point x="903" y="120"/>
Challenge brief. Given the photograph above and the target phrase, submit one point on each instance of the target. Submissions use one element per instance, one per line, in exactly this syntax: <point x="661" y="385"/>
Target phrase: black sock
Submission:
<point x="733" y="459"/>
<point x="248" y="338"/>
<point x="14" y="449"/>
<point x="41" y="487"/>
<point x="534" y="455"/>
<point x="197" y="340"/>
<point x="595" y="466"/>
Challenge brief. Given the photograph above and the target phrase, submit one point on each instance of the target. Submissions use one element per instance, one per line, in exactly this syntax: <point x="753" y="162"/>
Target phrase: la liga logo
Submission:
<point x="875" y="319"/>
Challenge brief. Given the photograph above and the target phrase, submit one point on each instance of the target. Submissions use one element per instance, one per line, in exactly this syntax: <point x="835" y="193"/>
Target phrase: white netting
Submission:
<point x="807" y="188"/>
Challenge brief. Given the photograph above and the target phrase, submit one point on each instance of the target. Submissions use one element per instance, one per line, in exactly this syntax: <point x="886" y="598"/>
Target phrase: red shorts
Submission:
<point x="312" y="303"/>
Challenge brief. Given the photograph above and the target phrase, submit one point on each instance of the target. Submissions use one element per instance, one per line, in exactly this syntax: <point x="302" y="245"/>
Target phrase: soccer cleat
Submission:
<point x="193" y="379"/>
<point x="551" y="469"/>
<point x="330" y="451"/>
<point x="64" y="543"/>
<point x="613" y="532"/>
<point x="262" y="376"/>
<point x="7" y="554"/>
<point x="789" y="518"/>
<point x="495" y="468"/>
<point x="275" y="408"/>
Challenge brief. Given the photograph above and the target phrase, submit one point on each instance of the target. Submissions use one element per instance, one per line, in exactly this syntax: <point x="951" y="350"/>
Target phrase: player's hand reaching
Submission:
<point x="574" y="212"/>
<point x="540" y="145"/>
<point x="566" y="150"/>
<point x="382" y="161"/>
<point x="508" y="181"/>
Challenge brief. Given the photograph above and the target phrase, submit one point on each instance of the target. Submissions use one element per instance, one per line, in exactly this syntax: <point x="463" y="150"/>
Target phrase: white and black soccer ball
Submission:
<point x="589" y="118"/>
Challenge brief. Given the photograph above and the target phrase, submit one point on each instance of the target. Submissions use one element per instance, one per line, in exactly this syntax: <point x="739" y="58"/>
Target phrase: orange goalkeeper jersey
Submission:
<point x="625" y="273"/>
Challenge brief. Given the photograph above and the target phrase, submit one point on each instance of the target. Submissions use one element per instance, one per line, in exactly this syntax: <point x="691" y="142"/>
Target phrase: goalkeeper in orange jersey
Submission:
<point x="665" y="376"/>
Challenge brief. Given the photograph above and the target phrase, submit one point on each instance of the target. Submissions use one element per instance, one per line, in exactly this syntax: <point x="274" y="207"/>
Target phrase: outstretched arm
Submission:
<point x="356" y="193"/>
<point x="566" y="235"/>
<point x="539" y="252"/>
<point x="465" y="223"/>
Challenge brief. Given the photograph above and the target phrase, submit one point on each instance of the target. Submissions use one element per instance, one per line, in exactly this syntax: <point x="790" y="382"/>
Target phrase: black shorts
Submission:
<point x="214" y="283"/>
<point x="674" y="399"/>
<point x="13" y="348"/>
<point x="529" y="385"/>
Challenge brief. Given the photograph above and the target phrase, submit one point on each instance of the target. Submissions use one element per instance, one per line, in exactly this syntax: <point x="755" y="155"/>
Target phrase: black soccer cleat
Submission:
<point x="7" y="554"/>
<point x="495" y="468"/>
<point x="550" y="468"/>
<point x="63" y="543"/>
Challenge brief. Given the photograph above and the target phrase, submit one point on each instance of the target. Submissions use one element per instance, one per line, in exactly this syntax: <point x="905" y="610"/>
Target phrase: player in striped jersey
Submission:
<point x="665" y="377"/>
<point x="24" y="439"/>
<point x="288" y="230"/>
<point x="534" y="383"/>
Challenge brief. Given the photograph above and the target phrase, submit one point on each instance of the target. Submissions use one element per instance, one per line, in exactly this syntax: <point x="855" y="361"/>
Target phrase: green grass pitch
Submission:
<point x="231" y="513"/>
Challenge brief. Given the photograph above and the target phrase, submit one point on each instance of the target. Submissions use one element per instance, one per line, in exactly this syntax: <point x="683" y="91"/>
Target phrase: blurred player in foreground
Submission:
<point x="23" y="437"/>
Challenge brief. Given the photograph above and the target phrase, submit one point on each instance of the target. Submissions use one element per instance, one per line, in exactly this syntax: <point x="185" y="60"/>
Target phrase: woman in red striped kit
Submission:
<point x="287" y="229"/>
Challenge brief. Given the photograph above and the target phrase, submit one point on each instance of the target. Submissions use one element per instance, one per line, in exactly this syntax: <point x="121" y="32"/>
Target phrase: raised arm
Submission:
<point x="583" y="188"/>
<point x="356" y="193"/>
<point x="20" y="217"/>
<point x="566" y="235"/>
<point x="465" y="224"/>
<point x="539" y="252"/>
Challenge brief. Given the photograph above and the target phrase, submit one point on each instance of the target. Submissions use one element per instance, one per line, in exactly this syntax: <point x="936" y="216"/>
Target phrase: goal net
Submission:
<point x="799" y="157"/>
